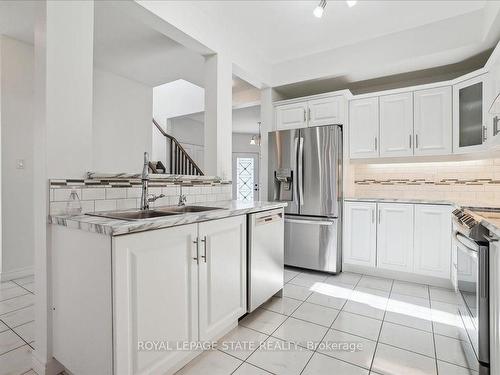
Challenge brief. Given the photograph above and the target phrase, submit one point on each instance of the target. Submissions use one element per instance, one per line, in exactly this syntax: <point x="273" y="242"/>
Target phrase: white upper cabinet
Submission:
<point x="363" y="128"/>
<point x="291" y="116"/>
<point x="314" y="112"/>
<point x="432" y="121"/>
<point x="470" y="115"/>
<point x="396" y="125"/>
<point x="223" y="255"/>
<point x="433" y="240"/>
<point x="395" y="236"/>
<point x="360" y="233"/>
<point x="327" y="111"/>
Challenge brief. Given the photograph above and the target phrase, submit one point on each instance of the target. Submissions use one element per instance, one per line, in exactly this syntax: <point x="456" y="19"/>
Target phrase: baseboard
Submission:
<point x="16" y="274"/>
<point x="403" y="276"/>
<point x="52" y="367"/>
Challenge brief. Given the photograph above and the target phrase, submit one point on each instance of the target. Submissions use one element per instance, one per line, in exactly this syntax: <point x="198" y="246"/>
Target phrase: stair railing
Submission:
<point x="180" y="161"/>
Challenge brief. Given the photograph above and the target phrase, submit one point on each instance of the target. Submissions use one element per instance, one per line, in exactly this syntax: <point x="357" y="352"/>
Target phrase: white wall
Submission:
<point x="16" y="82"/>
<point x="187" y="130"/>
<point x="241" y="143"/>
<point x="122" y="128"/>
<point x="177" y="98"/>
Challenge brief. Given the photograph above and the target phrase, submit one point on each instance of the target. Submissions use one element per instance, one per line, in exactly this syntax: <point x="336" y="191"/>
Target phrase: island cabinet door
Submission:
<point x="222" y="275"/>
<point x="155" y="299"/>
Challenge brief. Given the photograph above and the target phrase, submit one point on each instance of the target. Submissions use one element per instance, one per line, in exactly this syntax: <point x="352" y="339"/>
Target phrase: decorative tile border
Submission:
<point x="422" y="181"/>
<point x="168" y="180"/>
<point x="109" y="192"/>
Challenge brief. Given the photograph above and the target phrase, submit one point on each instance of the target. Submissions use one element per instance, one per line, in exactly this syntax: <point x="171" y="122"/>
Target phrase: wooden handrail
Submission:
<point x="183" y="162"/>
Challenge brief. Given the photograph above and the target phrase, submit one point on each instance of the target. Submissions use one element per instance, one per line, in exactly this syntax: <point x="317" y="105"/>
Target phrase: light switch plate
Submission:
<point x="20" y="163"/>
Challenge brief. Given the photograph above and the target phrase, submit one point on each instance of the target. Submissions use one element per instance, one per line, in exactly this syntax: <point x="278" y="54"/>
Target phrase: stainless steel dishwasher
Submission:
<point x="265" y="256"/>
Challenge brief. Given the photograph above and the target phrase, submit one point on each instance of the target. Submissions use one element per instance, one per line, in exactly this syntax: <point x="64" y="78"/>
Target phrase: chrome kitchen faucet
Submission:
<point x="147" y="198"/>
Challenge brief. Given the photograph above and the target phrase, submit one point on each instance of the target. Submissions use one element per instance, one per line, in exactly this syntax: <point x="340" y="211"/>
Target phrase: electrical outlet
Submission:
<point x="20" y="163"/>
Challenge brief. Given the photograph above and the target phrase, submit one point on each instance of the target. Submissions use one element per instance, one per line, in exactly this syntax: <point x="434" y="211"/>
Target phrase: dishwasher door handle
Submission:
<point x="268" y="219"/>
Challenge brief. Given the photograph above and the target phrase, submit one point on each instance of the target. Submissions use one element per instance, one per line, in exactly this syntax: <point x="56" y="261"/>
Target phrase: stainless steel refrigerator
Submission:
<point x="305" y="170"/>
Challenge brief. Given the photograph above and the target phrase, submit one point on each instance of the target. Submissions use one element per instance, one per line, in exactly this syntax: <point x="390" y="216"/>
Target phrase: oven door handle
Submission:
<point x="466" y="244"/>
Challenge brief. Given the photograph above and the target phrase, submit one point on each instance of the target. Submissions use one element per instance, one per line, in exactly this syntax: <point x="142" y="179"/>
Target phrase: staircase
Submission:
<point x="179" y="160"/>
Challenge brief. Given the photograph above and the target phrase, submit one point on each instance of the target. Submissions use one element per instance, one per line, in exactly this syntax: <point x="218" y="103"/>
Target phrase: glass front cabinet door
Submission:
<point x="470" y="119"/>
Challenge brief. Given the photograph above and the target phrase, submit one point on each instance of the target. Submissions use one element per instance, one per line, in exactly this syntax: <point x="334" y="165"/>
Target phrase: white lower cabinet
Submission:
<point x="409" y="238"/>
<point x="395" y="236"/>
<point x="222" y="274"/>
<point x="174" y="286"/>
<point x="360" y="233"/>
<point x="155" y="297"/>
<point x="433" y="240"/>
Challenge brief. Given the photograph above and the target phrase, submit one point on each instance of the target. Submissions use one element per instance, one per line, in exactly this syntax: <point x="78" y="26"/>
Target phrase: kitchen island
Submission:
<point x="146" y="296"/>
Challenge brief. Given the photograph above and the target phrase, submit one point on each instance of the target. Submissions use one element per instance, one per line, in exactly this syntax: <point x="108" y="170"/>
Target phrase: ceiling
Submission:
<point x="17" y="19"/>
<point x="126" y="46"/>
<point x="122" y="43"/>
<point x="284" y="30"/>
<point x="370" y="40"/>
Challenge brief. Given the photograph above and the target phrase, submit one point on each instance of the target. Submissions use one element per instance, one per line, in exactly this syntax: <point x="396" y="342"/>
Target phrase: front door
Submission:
<point x="246" y="176"/>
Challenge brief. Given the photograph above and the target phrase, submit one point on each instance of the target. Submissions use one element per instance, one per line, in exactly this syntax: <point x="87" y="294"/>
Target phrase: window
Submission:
<point x="245" y="177"/>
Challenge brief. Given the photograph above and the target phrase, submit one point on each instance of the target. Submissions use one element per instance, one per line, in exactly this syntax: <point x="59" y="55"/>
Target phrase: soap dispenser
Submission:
<point x="73" y="206"/>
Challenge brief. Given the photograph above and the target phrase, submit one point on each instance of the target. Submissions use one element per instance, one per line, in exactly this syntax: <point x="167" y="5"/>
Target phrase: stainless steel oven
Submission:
<point x="471" y="241"/>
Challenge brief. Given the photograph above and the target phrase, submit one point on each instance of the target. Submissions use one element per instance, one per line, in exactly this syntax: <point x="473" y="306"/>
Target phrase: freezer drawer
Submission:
<point x="313" y="243"/>
<point x="265" y="256"/>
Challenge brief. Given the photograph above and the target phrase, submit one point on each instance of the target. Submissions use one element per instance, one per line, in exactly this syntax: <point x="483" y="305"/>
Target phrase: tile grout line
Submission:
<point x="270" y="335"/>
<point x="21" y="295"/>
<point x="433" y="335"/>
<point x="329" y="328"/>
<point x="20" y="308"/>
<point x="20" y="346"/>
<point x="381" y="326"/>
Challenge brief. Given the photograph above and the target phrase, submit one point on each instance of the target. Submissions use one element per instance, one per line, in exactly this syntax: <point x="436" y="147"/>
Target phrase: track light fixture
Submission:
<point x="318" y="11"/>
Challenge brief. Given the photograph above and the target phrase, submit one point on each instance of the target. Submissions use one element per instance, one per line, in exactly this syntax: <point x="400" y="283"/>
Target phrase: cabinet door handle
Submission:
<point x="495" y="125"/>
<point x="305" y="117"/>
<point x="197" y="251"/>
<point x="410" y="140"/>
<point x="376" y="144"/>
<point x="485" y="133"/>
<point x="379" y="216"/>
<point x="416" y="140"/>
<point x="373" y="216"/>
<point x="309" y="114"/>
<point x="204" y="256"/>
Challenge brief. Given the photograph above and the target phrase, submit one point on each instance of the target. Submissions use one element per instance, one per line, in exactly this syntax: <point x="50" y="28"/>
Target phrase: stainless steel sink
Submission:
<point x="151" y="214"/>
<point x="132" y="215"/>
<point x="187" y="209"/>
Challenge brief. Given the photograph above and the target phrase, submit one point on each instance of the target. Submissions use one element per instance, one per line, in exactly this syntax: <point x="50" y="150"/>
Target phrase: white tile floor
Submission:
<point x="387" y="327"/>
<point x="17" y="317"/>
<point x="399" y="327"/>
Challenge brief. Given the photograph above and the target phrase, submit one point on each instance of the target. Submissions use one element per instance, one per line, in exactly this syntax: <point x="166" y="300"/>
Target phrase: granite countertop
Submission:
<point x="113" y="227"/>
<point x="401" y="200"/>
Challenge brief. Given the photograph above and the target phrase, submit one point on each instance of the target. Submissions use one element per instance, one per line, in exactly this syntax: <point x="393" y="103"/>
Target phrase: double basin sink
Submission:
<point x="150" y="214"/>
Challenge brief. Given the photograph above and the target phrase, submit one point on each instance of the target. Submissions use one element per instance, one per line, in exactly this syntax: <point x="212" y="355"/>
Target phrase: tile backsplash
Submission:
<point x="466" y="182"/>
<point x="106" y="197"/>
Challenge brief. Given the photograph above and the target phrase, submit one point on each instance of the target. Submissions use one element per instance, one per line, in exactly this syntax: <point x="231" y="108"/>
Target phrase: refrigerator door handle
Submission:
<point x="300" y="171"/>
<point x="295" y="178"/>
